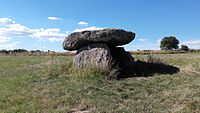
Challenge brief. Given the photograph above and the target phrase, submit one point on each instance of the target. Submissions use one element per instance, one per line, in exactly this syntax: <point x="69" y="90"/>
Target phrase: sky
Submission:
<point x="44" y="24"/>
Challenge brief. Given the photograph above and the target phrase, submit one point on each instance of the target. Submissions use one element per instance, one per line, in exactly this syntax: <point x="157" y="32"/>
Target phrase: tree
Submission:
<point x="3" y="51"/>
<point x="169" y="43"/>
<point x="35" y="51"/>
<point x="20" y="51"/>
<point x="184" y="48"/>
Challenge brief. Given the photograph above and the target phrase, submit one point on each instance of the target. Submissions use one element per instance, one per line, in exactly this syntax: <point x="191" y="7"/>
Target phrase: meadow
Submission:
<point x="50" y="84"/>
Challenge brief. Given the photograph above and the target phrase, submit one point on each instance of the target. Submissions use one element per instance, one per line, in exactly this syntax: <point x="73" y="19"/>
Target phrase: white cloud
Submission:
<point x="9" y="45"/>
<point x="88" y="29"/>
<point x="192" y="44"/>
<point x="10" y="29"/>
<point x="142" y="39"/>
<point x="4" y="39"/>
<point x="53" y="18"/>
<point x="54" y="39"/>
<point x="83" y="23"/>
<point x="51" y="34"/>
<point x="5" y="43"/>
<point x="6" y="22"/>
<point x="16" y="30"/>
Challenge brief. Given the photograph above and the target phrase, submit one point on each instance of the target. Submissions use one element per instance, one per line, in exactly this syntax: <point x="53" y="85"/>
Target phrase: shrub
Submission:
<point x="184" y="48"/>
<point x="152" y="59"/>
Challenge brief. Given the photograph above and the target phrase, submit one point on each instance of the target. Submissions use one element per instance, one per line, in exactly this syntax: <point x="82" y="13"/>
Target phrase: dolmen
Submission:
<point x="99" y="48"/>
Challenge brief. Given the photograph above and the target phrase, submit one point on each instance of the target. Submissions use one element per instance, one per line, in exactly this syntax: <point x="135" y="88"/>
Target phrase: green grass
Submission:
<point x="42" y="84"/>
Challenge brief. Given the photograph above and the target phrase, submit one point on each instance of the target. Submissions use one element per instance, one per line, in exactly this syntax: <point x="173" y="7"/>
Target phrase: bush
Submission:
<point x="152" y="59"/>
<point x="184" y="48"/>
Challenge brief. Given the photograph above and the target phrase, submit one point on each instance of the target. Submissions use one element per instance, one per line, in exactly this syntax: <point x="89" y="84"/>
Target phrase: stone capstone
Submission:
<point x="113" y="37"/>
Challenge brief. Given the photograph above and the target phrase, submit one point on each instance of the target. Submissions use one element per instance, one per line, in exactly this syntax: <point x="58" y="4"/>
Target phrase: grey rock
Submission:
<point x="103" y="56"/>
<point x="121" y="58"/>
<point x="112" y="37"/>
<point x="94" y="55"/>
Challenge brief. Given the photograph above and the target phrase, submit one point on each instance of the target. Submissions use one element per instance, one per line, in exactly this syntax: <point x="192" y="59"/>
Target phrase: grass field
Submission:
<point x="46" y="84"/>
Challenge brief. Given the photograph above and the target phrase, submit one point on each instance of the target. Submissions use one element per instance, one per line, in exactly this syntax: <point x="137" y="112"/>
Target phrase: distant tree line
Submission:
<point x="4" y="51"/>
<point x="25" y="52"/>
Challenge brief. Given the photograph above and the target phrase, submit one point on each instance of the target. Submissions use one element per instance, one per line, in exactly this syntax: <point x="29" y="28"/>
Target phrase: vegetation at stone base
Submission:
<point x="43" y="84"/>
<point x="169" y="43"/>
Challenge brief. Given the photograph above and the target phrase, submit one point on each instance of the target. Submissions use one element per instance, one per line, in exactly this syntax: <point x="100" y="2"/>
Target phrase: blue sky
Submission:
<point x="43" y="24"/>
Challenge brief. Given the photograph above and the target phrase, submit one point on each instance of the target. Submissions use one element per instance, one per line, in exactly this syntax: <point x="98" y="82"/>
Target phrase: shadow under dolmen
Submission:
<point x="124" y="65"/>
<point x="144" y="69"/>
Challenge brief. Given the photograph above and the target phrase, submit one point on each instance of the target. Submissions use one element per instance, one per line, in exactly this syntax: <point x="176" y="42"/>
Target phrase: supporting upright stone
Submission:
<point x="96" y="55"/>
